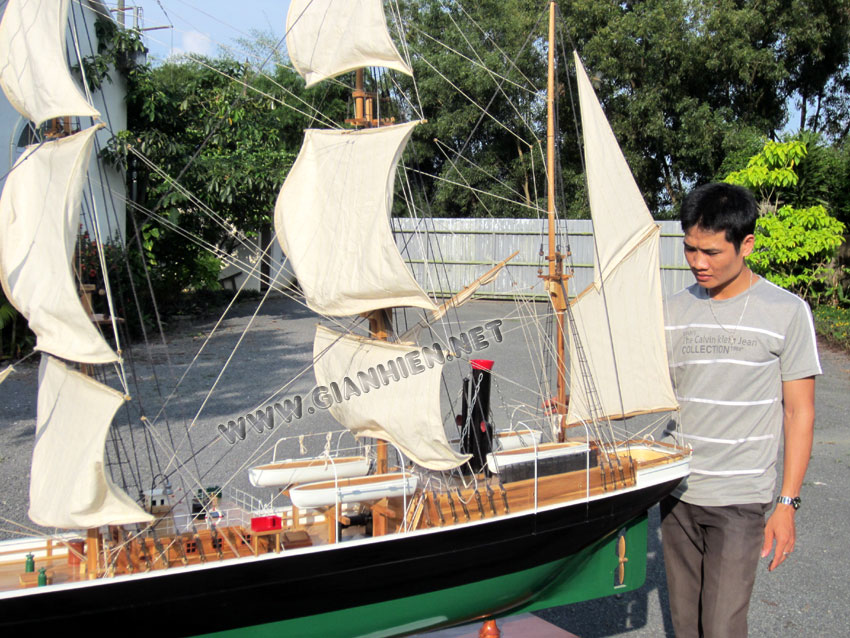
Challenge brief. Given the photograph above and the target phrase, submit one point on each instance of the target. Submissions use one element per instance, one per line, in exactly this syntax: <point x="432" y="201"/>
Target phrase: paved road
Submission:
<point x="805" y="597"/>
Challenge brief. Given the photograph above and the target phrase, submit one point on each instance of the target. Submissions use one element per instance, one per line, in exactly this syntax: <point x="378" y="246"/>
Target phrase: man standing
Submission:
<point x="743" y="358"/>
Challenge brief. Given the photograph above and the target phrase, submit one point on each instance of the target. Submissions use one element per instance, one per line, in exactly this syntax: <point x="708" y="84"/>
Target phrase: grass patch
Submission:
<point x="833" y="325"/>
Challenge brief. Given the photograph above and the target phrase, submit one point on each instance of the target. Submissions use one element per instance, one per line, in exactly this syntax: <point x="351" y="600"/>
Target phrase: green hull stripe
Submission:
<point x="591" y="573"/>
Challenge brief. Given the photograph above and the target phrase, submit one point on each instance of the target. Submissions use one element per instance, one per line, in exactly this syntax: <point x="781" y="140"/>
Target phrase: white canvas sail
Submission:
<point x="405" y="411"/>
<point x="34" y="71"/>
<point x="69" y="488"/>
<point x="332" y="220"/>
<point x="621" y="329"/>
<point x="39" y="221"/>
<point x="325" y="38"/>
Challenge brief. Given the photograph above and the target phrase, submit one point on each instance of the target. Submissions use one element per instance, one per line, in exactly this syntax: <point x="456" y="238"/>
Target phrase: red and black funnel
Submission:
<point x="476" y="429"/>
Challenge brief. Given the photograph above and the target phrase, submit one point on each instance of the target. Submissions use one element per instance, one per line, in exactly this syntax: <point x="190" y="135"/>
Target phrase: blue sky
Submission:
<point x="203" y="26"/>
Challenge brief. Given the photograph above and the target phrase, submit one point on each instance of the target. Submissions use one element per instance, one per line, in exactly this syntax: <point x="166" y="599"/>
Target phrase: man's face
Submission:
<point x="715" y="263"/>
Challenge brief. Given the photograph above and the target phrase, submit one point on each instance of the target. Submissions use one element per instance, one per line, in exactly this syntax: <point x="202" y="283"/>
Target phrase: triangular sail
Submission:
<point x="622" y="330"/>
<point x="332" y="221"/>
<point x="386" y="391"/>
<point x="325" y="38"/>
<point x="69" y="488"/>
<point x="33" y="69"/>
<point x="39" y="222"/>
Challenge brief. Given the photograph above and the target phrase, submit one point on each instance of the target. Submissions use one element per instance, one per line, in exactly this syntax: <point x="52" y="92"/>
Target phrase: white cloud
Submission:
<point x="195" y="42"/>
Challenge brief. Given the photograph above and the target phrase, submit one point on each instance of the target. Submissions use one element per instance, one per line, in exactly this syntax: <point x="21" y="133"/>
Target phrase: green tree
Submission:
<point x="795" y="245"/>
<point x="210" y="143"/>
<point x="468" y="57"/>
<point x="685" y="83"/>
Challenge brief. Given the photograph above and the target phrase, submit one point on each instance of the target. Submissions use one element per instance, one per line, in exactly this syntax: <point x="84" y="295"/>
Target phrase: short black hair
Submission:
<point x="720" y="206"/>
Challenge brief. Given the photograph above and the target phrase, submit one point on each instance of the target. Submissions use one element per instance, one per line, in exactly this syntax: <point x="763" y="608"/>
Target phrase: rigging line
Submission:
<point x="232" y="233"/>
<point x="79" y="55"/>
<point x="444" y="150"/>
<point x="531" y="91"/>
<point x="416" y="108"/>
<point x="445" y="321"/>
<point x="297" y="298"/>
<point x="537" y="209"/>
<point x="182" y="468"/>
<point x="200" y="147"/>
<point x="316" y="357"/>
<point x="211" y="16"/>
<point x="466" y="183"/>
<point x="92" y="48"/>
<point x="230" y="25"/>
<point x="195" y="155"/>
<point x="186" y="234"/>
<point x="541" y="378"/>
<point x="130" y="351"/>
<point x="484" y="111"/>
<point x="223" y="368"/>
<point x="96" y="219"/>
<point x="543" y="345"/>
<point x="23" y="159"/>
<point x="114" y="439"/>
<point x="122" y="375"/>
<point x="200" y="241"/>
<point x="505" y="56"/>
<point x="399" y="24"/>
<point x="494" y="76"/>
<point x="201" y="349"/>
<point x="477" y="167"/>
<point x="495" y="93"/>
<point x="316" y="115"/>
<point x="327" y="120"/>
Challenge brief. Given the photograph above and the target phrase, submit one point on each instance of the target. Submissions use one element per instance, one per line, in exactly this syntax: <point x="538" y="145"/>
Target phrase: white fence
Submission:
<point x="447" y="254"/>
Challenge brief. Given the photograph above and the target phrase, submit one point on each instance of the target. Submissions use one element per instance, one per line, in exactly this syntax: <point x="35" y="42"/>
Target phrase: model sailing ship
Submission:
<point x="445" y="536"/>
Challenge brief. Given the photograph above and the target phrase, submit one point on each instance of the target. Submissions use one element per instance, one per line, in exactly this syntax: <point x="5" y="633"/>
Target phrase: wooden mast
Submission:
<point x="555" y="279"/>
<point x="380" y="321"/>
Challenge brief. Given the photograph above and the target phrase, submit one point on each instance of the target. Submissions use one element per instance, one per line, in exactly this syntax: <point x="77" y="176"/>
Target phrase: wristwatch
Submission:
<point x="787" y="500"/>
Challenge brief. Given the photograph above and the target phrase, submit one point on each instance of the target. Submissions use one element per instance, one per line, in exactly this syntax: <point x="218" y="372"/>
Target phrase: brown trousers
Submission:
<point x="711" y="555"/>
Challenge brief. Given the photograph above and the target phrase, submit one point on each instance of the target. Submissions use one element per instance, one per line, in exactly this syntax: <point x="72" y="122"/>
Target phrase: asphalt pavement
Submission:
<point x="804" y="597"/>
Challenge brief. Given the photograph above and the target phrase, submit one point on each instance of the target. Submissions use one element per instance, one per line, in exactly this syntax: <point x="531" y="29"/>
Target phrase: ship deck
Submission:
<point x="231" y="530"/>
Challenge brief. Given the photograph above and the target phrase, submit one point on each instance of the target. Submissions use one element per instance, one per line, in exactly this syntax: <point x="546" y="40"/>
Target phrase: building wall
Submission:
<point x="106" y="191"/>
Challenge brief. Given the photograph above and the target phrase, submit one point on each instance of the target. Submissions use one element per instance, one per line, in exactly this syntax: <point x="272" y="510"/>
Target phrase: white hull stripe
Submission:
<point x="748" y="439"/>
<point x="716" y="402"/>
<point x="700" y="362"/>
<point x="726" y="472"/>
<point x="728" y="328"/>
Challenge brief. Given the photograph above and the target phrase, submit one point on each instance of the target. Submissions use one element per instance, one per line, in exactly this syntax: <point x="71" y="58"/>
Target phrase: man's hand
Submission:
<point x="779" y="528"/>
<point x="798" y="398"/>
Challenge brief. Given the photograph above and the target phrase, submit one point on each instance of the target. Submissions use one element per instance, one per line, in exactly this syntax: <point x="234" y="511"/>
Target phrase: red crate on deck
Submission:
<point x="265" y="523"/>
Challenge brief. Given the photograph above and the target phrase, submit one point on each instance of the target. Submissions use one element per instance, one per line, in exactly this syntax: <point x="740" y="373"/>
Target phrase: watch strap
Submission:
<point x="787" y="500"/>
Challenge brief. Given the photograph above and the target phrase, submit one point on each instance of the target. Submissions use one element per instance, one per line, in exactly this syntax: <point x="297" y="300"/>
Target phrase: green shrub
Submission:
<point x="795" y="246"/>
<point x="833" y="325"/>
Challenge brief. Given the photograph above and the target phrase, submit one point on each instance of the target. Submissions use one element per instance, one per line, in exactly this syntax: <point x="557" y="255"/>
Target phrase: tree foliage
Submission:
<point x="210" y="143"/>
<point x="684" y="84"/>
<point x="479" y="71"/>
<point x="691" y="90"/>
<point x="795" y="246"/>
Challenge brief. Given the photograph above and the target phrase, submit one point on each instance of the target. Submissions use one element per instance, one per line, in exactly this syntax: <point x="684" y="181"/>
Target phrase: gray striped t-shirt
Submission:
<point x="728" y="360"/>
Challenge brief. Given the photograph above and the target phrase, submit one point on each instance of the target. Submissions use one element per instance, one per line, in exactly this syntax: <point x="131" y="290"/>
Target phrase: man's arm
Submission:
<point x="798" y="398"/>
